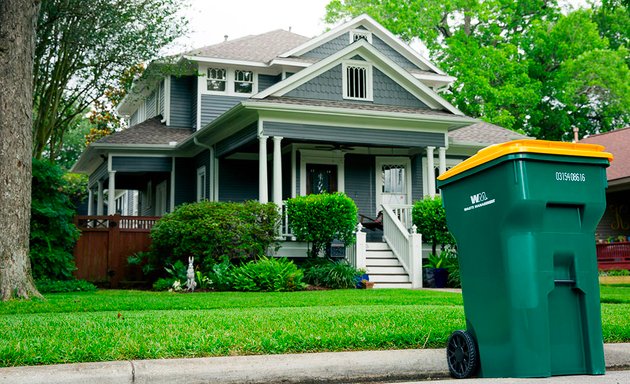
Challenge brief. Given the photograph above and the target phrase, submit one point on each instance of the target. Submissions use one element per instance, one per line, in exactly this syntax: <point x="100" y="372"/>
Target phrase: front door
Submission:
<point x="321" y="178"/>
<point x="393" y="181"/>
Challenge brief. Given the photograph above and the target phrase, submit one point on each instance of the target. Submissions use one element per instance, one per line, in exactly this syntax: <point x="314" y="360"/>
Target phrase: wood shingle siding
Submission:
<point x="353" y="135"/>
<point x="212" y="106"/>
<point x="181" y="101"/>
<point x="329" y="48"/>
<point x="388" y="92"/>
<point x="327" y="86"/>
<point x="392" y="54"/>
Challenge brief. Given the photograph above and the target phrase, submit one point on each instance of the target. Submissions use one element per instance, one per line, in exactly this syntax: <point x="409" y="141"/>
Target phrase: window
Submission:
<point x="357" y="81"/>
<point x="243" y="81"/>
<point x="358" y="34"/>
<point x="201" y="183"/>
<point x="216" y="79"/>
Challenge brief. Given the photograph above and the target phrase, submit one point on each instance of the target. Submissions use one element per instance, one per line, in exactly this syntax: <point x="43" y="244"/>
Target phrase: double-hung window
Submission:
<point x="357" y="81"/>
<point x="243" y="81"/>
<point x="216" y="79"/>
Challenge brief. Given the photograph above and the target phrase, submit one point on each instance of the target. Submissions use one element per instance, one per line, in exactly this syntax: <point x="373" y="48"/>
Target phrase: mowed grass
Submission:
<point x="120" y="325"/>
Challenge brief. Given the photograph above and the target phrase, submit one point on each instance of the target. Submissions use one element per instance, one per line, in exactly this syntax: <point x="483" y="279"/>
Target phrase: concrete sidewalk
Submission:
<point x="333" y="367"/>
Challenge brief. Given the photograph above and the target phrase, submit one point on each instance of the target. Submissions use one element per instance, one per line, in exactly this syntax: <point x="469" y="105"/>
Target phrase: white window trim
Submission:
<point x="321" y="157"/>
<point x="450" y="162"/>
<point x="230" y="76"/>
<point x="225" y="80"/>
<point x="380" y="161"/>
<point x="368" y="80"/>
<point x="202" y="181"/>
<point x="361" y="32"/>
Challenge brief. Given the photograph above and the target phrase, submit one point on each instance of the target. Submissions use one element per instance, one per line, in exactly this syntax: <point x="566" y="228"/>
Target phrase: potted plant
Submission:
<point x="436" y="266"/>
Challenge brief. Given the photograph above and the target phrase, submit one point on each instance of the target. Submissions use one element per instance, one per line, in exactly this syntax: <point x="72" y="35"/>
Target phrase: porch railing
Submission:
<point x="285" y="229"/>
<point x="613" y="255"/>
<point x="406" y="245"/>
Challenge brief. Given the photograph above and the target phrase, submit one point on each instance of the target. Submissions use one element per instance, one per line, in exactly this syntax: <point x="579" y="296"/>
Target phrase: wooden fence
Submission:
<point x="613" y="256"/>
<point x="105" y="244"/>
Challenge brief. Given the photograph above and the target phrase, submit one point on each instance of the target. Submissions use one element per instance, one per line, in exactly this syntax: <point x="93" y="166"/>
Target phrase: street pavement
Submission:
<point x="332" y="367"/>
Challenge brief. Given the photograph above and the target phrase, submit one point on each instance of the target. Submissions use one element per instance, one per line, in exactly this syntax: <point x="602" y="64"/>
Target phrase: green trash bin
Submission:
<point x="524" y="214"/>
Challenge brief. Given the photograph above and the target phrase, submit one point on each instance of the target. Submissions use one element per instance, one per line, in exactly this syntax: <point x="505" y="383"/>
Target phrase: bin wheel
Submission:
<point x="462" y="355"/>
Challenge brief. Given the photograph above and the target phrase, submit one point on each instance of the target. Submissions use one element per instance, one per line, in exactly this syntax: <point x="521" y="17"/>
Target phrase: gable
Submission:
<point x="340" y="42"/>
<point x="328" y="86"/>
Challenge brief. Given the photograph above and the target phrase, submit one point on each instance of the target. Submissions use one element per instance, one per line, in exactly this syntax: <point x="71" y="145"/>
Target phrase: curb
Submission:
<point x="329" y="367"/>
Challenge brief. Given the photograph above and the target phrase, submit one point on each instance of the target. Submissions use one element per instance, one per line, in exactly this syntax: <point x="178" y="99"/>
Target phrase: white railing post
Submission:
<point x="361" y="248"/>
<point x="415" y="256"/>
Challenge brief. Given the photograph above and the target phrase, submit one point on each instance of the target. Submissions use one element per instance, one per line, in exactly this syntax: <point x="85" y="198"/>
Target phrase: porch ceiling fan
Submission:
<point x="335" y="147"/>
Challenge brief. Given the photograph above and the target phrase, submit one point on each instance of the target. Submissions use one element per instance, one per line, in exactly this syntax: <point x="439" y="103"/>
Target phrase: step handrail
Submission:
<point x="405" y="245"/>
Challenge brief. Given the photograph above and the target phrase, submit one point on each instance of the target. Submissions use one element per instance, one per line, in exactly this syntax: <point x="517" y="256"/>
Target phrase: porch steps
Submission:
<point x="384" y="268"/>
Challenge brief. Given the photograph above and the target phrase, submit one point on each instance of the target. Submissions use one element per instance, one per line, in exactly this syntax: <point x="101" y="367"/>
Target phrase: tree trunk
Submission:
<point x="17" y="42"/>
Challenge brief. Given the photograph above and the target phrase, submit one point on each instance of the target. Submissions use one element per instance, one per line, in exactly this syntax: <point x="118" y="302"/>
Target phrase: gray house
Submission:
<point x="276" y="115"/>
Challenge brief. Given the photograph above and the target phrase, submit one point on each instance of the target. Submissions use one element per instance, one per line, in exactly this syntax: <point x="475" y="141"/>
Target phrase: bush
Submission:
<point x="331" y="274"/>
<point x="320" y="219"/>
<point x="54" y="286"/>
<point x="53" y="233"/>
<point x="163" y="284"/>
<point x="210" y="231"/>
<point x="267" y="274"/>
<point x="429" y="216"/>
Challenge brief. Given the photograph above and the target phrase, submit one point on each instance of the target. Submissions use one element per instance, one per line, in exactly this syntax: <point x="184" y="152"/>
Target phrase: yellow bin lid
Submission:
<point x="528" y="146"/>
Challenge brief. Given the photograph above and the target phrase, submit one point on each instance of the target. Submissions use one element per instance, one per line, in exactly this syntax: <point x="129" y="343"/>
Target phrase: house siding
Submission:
<point x="266" y="81"/>
<point x="329" y="48"/>
<point x="151" y="109"/>
<point x="327" y="86"/>
<point x="286" y="176"/>
<point x="193" y="108"/>
<point x="213" y="106"/>
<point x="133" y="120"/>
<point x="141" y="164"/>
<point x="201" y="160"/>
<point x="238" y="139"/>
<point x="185" y="179"/>
<point x="353" y="135"/>
<point x="388" y="92"/>
<point x="238" y="180"/>
<point x="181" y="101"/>
<point x="391" y="53"/>
<point x="416" y="178"/>
<point x="99" y="174"/>
<point x="161" y="101"/>
<point x="360" y="183"/>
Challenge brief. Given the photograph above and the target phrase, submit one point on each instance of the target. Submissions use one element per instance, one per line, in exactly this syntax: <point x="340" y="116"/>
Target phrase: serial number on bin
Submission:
<point x="570" y="176"/>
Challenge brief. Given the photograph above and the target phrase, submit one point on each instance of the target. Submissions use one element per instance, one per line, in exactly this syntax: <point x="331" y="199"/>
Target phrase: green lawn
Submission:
<point x="118" y="325"/>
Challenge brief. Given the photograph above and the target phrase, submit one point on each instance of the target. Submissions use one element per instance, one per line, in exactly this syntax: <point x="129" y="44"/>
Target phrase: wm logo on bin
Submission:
<point x="478" y="198"/>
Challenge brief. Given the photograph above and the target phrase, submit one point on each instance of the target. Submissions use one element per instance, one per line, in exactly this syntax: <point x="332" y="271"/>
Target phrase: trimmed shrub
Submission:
<point x="429" y="216"/>
<point x="331" y="274"/>
<point x="55" y="286"/>
<point x="53" y="233"/>
<point x="267" y="274"/>
<point x="320" y="219"/>
<point x="212" y="231"/>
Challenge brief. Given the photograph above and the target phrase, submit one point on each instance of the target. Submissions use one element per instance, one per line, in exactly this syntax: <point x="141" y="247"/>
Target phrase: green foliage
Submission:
<point x="220" y="276"/>
<point x="330" y="274"/>
<point x="211" y="231"/>
<point x="163" y="284"/>
<point x="429" y="216"/>
<point x="523" y="65"/>
<point x="56" y="286"/>
<point x="53" y="233"/>
<point x="177" y="271"/>
<point x="267" y="274"/>
<point x="320" y="219"/>
<point x="615" y="272"/>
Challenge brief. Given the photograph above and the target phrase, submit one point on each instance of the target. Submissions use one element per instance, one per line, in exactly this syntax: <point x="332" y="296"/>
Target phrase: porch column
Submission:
<point x="430" y="172"/>
<point x="277" y="171"/>
<point x="263" y="187"/>
<point x="90" y="211"/>
<point x="99" y="199"/>
<point x="442" y="157"/>
<point x="111" y="193"/>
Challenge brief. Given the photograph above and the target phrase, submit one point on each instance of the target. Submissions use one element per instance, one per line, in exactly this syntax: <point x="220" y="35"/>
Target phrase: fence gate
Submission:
<point x="105" y="244"/>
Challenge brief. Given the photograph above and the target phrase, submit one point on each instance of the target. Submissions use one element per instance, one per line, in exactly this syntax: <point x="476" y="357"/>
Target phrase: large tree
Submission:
<point x="17" y="35"/>
<point x="521" y="64"/>
<point x="83" y="47"/>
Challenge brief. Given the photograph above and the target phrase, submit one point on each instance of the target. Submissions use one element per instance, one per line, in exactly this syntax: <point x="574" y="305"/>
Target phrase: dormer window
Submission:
<point x="359" y="34"/>
<point x="243" y="81"/>
<point x="216" y="79"/>
<point x="357" y="81"/>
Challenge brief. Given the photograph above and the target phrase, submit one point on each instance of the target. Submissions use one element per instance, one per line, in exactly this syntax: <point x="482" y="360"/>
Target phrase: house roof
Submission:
<point x="616" y="142"/>
<point x="484" y="133"/>
<point x="259" y="48"/>
<point x="150" y="131"/>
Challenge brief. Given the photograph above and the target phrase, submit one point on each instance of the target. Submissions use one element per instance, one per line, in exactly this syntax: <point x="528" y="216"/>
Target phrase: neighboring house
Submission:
<point x="277" y="115"/>
<point x="616" y="219"/>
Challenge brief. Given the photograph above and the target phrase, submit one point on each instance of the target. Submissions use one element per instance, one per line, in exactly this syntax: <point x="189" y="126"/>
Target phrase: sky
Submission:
<point x="211" y="20"/>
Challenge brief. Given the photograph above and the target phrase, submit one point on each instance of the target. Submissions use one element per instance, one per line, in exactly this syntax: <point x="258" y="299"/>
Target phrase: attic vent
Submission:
<point x="357" y="81"/>
<point x="359" y="34"/>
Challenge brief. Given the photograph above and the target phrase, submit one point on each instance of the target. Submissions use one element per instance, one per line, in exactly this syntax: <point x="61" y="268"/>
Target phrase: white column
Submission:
<point x="442" y="156"/>
<point x="277" y="171"/>
<point x="361" y="248"/>
<point x="415" y="257"/>
<point x="99" y="199"/>
<point x="263" y="188"/>
<point x="111" y="193"/>
<point x="90" y="202"/>
<point x="430" y="172"/>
